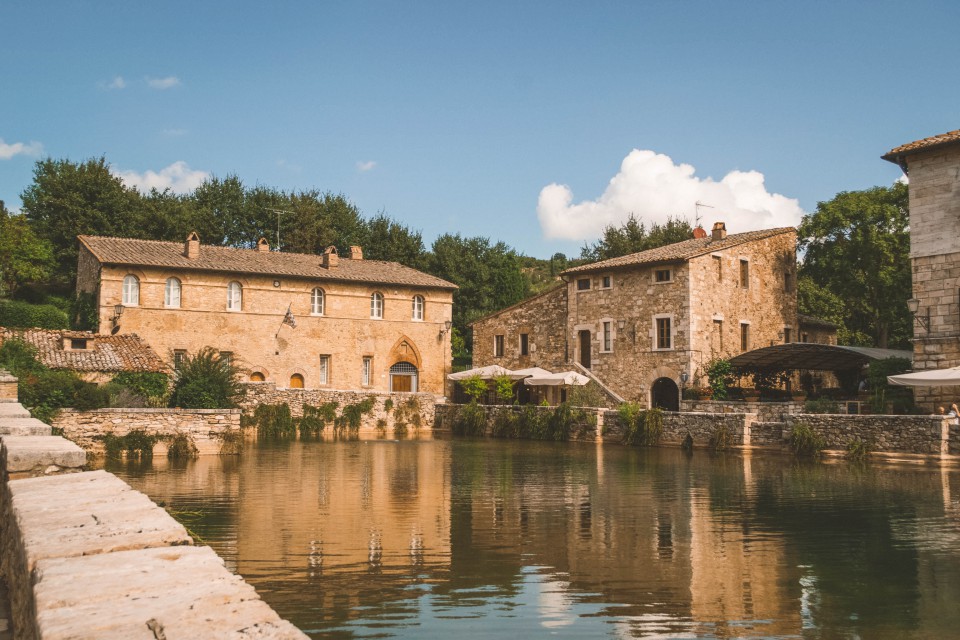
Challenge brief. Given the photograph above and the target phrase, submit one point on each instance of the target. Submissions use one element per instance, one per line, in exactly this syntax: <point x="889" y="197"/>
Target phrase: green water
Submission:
<point x="441" y="538"/>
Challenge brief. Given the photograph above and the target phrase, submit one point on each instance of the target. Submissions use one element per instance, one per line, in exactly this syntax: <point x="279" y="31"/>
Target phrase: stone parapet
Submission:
<point x="206" y="429"/>
<point x="24" y="456"/>
<point x="922" y="435"/>
<point x="765" y="411"/>
<point x="8" y="387"/>
<point x="391" y="411"/>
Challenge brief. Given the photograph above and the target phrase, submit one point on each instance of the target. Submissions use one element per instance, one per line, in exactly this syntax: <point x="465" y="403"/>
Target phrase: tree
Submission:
<point x="23" y="256"/>
<point x="67" y="199"/>
<point x="857" y="248"/>
<point x="489" y="276"/>
<point x="387" y="239"/>
<point x="206" y="381"/>
<point x="632" y="237"/>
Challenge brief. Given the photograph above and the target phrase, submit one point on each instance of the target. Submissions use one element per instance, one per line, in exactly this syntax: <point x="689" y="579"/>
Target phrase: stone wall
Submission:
<point x="261" y="343"/>
<point x="924" y="435"/>
<point x="414" y="411"/>
<point x="205" y="428"/>
<point x="765" y="411"/>
<point x="582" y="430"/>
<point x="677" y="426"/>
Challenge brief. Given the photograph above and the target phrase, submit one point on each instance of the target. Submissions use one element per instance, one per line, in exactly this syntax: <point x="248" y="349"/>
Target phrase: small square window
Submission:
<point x="606" y="282"/>
<point x="663" y="275"/>
<point x="78" y="344"/>
<point x="583" y="284"/>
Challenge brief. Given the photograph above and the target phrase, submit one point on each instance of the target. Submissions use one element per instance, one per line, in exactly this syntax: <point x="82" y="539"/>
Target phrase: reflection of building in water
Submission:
<point x="365" y="517"/>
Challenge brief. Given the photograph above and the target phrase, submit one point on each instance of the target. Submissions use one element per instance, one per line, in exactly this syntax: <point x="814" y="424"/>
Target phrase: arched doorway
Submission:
<point x="296" y="381"/>
<point x="257" y="376"/>
<point x="664" y="394"/>
<point x="403" y="378"/>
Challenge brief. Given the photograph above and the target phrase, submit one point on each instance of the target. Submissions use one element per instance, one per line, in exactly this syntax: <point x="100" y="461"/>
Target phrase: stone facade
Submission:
<point x="541" y="318"/>
<point x="713" y="297"/>
<point x="933" y="165"/>
<point x="205" y="428"/>
<point x="340" y="347"/>
<point x="412" y="411"/>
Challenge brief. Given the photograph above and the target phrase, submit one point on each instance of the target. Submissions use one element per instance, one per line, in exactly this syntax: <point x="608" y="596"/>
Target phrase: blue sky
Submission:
<point x="516" y="121"/>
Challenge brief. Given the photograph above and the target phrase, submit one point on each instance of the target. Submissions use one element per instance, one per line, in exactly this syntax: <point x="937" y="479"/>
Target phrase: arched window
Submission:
<point x="418" y="307"/>
<point x="376" y="306"/>
<point x="234" y="297"/>
<point x="131" y="291"/>
<point x="171" y="294"/>
<point x="403" y="378"/>
<point x="316" y="302"/>
<point x="256" y="376"/>
<point x="296" y="381"/>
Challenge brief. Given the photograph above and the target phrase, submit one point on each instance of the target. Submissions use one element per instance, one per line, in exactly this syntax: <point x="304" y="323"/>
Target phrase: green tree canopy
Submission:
<point x="632" y="236"/>
<point x="67" y="199"/>
<point x="23" y="256"/>
<point x="857" y="253"/>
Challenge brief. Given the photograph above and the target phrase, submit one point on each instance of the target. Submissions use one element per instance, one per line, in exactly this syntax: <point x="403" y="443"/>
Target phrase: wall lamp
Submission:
<point x="445" y="329"/>
<point x="913" y="305"/>
<point x="117" y="312"/>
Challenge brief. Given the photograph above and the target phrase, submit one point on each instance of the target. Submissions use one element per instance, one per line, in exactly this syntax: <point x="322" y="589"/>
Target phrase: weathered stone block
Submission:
<point x="26" y="454"/>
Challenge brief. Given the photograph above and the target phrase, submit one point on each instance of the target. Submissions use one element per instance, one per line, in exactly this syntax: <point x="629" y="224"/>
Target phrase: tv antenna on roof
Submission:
<point x="697" y="205"/>
<point x="278" y="212"/>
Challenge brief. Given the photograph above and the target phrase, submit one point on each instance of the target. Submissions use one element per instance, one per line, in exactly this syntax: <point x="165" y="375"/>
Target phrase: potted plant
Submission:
<point x="751" y="395"/>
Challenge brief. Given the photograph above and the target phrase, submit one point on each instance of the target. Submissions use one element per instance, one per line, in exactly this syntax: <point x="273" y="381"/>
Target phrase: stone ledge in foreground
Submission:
<point x="38" y="455"/>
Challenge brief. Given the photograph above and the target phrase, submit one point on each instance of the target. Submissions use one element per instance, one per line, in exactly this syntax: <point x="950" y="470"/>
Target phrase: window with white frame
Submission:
<point x="606" y="282"/>
<point x="376" y="306"/>
<point x="663" y="333"/>
<point x="367" y="375"/>
<point x="663" y="275"/>
<point x="324" y="377"/>
<point x="317" y="302"/>
<point x="417" y="307"/>
<point x="608" y="335"/>
<point x="131" y="291"/>
<point x="171" y="294"/>
<point x="234" y="296"/>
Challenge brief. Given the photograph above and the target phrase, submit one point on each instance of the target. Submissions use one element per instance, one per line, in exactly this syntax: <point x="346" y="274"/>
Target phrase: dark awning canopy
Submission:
<point x="816" y="357"/>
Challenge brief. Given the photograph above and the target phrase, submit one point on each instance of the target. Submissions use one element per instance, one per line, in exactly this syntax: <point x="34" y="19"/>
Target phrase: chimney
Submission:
<point x="330" y="257"/>
<point x="192" y="247"/>
<point x="719" y="231"/>
<point x="699" y="233"/>
<point x="356" y="253"/>
<point x="263" y="245"/>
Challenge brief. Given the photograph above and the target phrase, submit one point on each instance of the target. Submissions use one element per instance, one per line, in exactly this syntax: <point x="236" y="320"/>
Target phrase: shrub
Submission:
<point x="315" y="419"/>
<point x="505" y="424"/>
<point x="640" y="427"/>
<point x="805" y="441"/>
<point x="821" y="405"/>
<point x="474" y="387"/>
<point x="352" y="415"/>
<point x="231" y="442"/>
<point x="720" y="375"/>
<point x="471" y="420"/>
<point x="205" y="381"/>
<point x="503" y="386"/>
<point x="153" y="387"/>
<point x="182" y="448"/>
<point x="858" y="450"/>
<point x="721" y="439"/>
<point x="274" y="421"/>
<point x="407" y="414"/>
<point x="136" y="444"/>
<point x="588" y="395"/>
<point x="20" y="358"/>
<point x="23" y="315"/>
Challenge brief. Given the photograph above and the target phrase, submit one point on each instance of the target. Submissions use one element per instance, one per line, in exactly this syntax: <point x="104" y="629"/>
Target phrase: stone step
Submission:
<point x="37" y="455"/>
<point x="13" y="410"/>
<point x="177" y="592"/>
<point x="24" y="427"/>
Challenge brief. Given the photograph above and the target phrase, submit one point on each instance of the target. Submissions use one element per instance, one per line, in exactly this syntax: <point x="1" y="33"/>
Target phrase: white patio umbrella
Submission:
<point x="568" y="378"/>
<point x="535" y="372"/>
<point x="932" y="378"/>
<point x="488" y="372"/>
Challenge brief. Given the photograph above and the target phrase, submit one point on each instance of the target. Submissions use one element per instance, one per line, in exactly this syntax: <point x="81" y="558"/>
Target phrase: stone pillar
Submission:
<point x="8" y="387"/>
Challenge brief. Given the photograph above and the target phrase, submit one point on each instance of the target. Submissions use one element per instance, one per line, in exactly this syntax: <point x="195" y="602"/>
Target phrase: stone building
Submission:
<point x="96" y="358"/>
<point x="933" y="166"/>
<point x="647" y="323"/>
<point x="298" y="320"/>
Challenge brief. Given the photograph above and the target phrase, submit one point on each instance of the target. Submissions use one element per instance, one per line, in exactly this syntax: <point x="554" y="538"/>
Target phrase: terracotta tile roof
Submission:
<point x="153" y="253"/>
<point x="109" y="353"/>
<point x="897" y="154"/>
<point x="679" y="251"/>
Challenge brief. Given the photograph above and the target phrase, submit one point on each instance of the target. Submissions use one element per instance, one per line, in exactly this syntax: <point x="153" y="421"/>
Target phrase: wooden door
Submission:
<point x="585" y="348"/>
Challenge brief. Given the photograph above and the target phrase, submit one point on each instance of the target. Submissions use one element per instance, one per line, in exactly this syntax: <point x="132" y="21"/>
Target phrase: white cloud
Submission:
<point x="117" y="83"/>
<point x="652" y="187"/>
<point x="163" y="83"/>
<point x="178" y="177"/>
<point x="8" y="151"/>
<point x="363" y="167"/>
